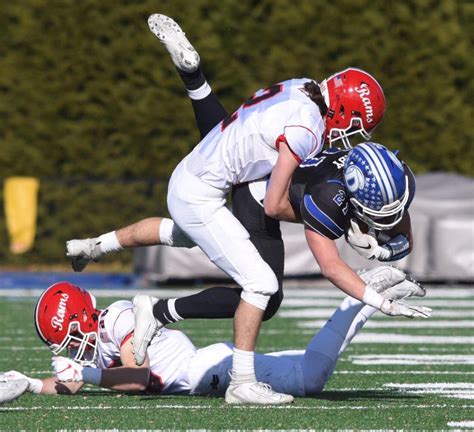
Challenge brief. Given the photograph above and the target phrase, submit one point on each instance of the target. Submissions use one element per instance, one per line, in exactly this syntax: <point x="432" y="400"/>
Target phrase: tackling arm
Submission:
<point x="340" y="274"/>
<point x="276" y="203"/>
<point x="333" y="267"/>
<point x="128" y="378"/>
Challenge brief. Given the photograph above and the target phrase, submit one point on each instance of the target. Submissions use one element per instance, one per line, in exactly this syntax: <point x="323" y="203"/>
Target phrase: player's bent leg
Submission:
<point x="200" y="211"/>
<point x="183" y="54"/>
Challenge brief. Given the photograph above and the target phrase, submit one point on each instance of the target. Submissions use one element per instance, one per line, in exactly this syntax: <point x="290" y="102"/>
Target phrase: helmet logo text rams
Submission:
<point x="363" y="92"/>
<point x="58" y="319"/>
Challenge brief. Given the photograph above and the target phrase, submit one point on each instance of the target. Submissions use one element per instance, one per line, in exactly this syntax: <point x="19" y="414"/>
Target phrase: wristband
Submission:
<point x="398" y="247"/>
<point x="35" y="385"/>
<point x="92" y="375"/>
<point x="372" y="298"/>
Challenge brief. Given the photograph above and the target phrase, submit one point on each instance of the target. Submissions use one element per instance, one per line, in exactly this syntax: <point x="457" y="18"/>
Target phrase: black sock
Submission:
<point x="162" y="313"/>
<point x="208" y="112"/>
<point x="192" y="80"/>
<point x="217" y="302"/>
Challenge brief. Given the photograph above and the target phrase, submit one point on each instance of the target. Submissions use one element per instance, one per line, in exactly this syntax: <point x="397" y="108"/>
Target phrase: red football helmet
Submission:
<point x="356" y="105"/>
<point x="66" y="317"/>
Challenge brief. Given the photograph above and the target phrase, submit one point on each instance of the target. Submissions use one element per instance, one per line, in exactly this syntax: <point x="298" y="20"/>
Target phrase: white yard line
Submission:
<point x="307" y="302"/>
<point x="431" y="386"/>
<point x="463" y="424"/>
<point x="409" y="324"/>
<point x="226" y="407"/>
<point x="394" y="338"/>
<point x="458" y="390"/>
<point x="412" y="359"/>
<point x="327" y="312"/>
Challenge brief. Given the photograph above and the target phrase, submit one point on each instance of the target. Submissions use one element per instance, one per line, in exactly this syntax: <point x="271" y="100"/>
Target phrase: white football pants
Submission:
<point x="200" y="211"/>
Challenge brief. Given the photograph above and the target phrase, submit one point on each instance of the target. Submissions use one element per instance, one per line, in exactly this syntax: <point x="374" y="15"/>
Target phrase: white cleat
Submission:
<point x="183" y="54"/>
<point x="146" y="325"/>
<point x="392" y="283"/>
<point x="82" y="252"/>
<point x="10" y="390"/>
<point x="255" y="393"/>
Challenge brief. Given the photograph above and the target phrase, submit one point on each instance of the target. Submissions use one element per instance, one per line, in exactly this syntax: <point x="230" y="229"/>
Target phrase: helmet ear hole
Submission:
<point x="341" y="112"/>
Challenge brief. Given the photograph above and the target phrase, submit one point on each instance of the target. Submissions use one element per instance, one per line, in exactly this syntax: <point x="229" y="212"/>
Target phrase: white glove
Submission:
<point x="403" y="308"/>
<point x="34" y="385"/>
<point x="66" y="369"/>
<point x="364" y="244"/>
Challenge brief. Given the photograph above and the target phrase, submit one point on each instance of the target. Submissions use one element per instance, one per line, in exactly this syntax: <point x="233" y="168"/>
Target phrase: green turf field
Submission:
<point x="399" y="374"/>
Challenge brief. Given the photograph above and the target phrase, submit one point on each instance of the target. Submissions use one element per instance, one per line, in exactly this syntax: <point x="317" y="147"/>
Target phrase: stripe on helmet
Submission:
<point x="382" y="172"/>
<point x="377" y="172"/>
<point x="382" y="155"/>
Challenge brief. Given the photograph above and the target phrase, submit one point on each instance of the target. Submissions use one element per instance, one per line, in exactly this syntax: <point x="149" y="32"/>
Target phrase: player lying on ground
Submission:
<point x="66" y="318"/>
<point x="269" y="134"/>
<point x="318" y="184"/>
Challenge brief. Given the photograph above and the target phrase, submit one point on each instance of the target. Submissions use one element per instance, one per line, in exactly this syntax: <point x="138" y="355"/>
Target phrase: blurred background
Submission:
<point x="92" y="109"/>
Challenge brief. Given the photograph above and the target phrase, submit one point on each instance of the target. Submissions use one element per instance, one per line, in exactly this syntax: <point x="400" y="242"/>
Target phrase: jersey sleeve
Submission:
<point x="324" y="209"/>
<point x="303" y="135"/>
<point x="119" y="322"/>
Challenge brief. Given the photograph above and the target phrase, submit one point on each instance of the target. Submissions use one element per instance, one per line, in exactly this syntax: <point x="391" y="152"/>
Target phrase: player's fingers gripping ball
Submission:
<point x="66" y="369"/>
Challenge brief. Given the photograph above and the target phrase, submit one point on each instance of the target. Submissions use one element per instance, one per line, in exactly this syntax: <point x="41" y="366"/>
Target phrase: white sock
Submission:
<point x="109" y="243"/>
<point x="172" y="309"/>
<point x="243" y="367"/>
<point x="201" y="92"/>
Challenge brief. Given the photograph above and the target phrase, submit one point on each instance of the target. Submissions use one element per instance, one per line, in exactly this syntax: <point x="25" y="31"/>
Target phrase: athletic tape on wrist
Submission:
<point x="35" y="385"/>
<point x="372" y="298"/>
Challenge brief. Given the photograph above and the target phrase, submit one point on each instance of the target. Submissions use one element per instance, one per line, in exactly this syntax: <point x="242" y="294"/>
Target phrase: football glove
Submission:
<point x="403" y="308"/>
<point x="34" y="385"/>
<point x="365" y="245"/>
<point x="392" y="283"/>
<point x="66" y="370"/>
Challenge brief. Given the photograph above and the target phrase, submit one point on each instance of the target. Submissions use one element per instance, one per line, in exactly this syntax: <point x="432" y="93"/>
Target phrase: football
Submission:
<point x="384" y="236"/>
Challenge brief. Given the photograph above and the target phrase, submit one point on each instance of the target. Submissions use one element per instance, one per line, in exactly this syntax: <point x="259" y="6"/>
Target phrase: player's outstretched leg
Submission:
<point x="146" y="325"/>
<point x="208" y="111"/>
<point x="329" y="343"/>
<point x="183" y="54"/>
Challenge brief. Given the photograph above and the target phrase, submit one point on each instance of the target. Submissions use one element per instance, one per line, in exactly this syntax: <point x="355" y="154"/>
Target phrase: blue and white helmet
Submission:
<point x="377" y="185"/>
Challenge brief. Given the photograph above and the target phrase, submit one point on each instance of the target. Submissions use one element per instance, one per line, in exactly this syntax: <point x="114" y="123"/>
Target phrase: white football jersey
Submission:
<point x="244" y="146"/>
<point x="169" y="353"/>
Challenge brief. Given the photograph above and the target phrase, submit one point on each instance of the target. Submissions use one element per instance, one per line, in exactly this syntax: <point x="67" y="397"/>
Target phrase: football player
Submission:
<point x="272" y="132"/>
<point x="100" y="352"/>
